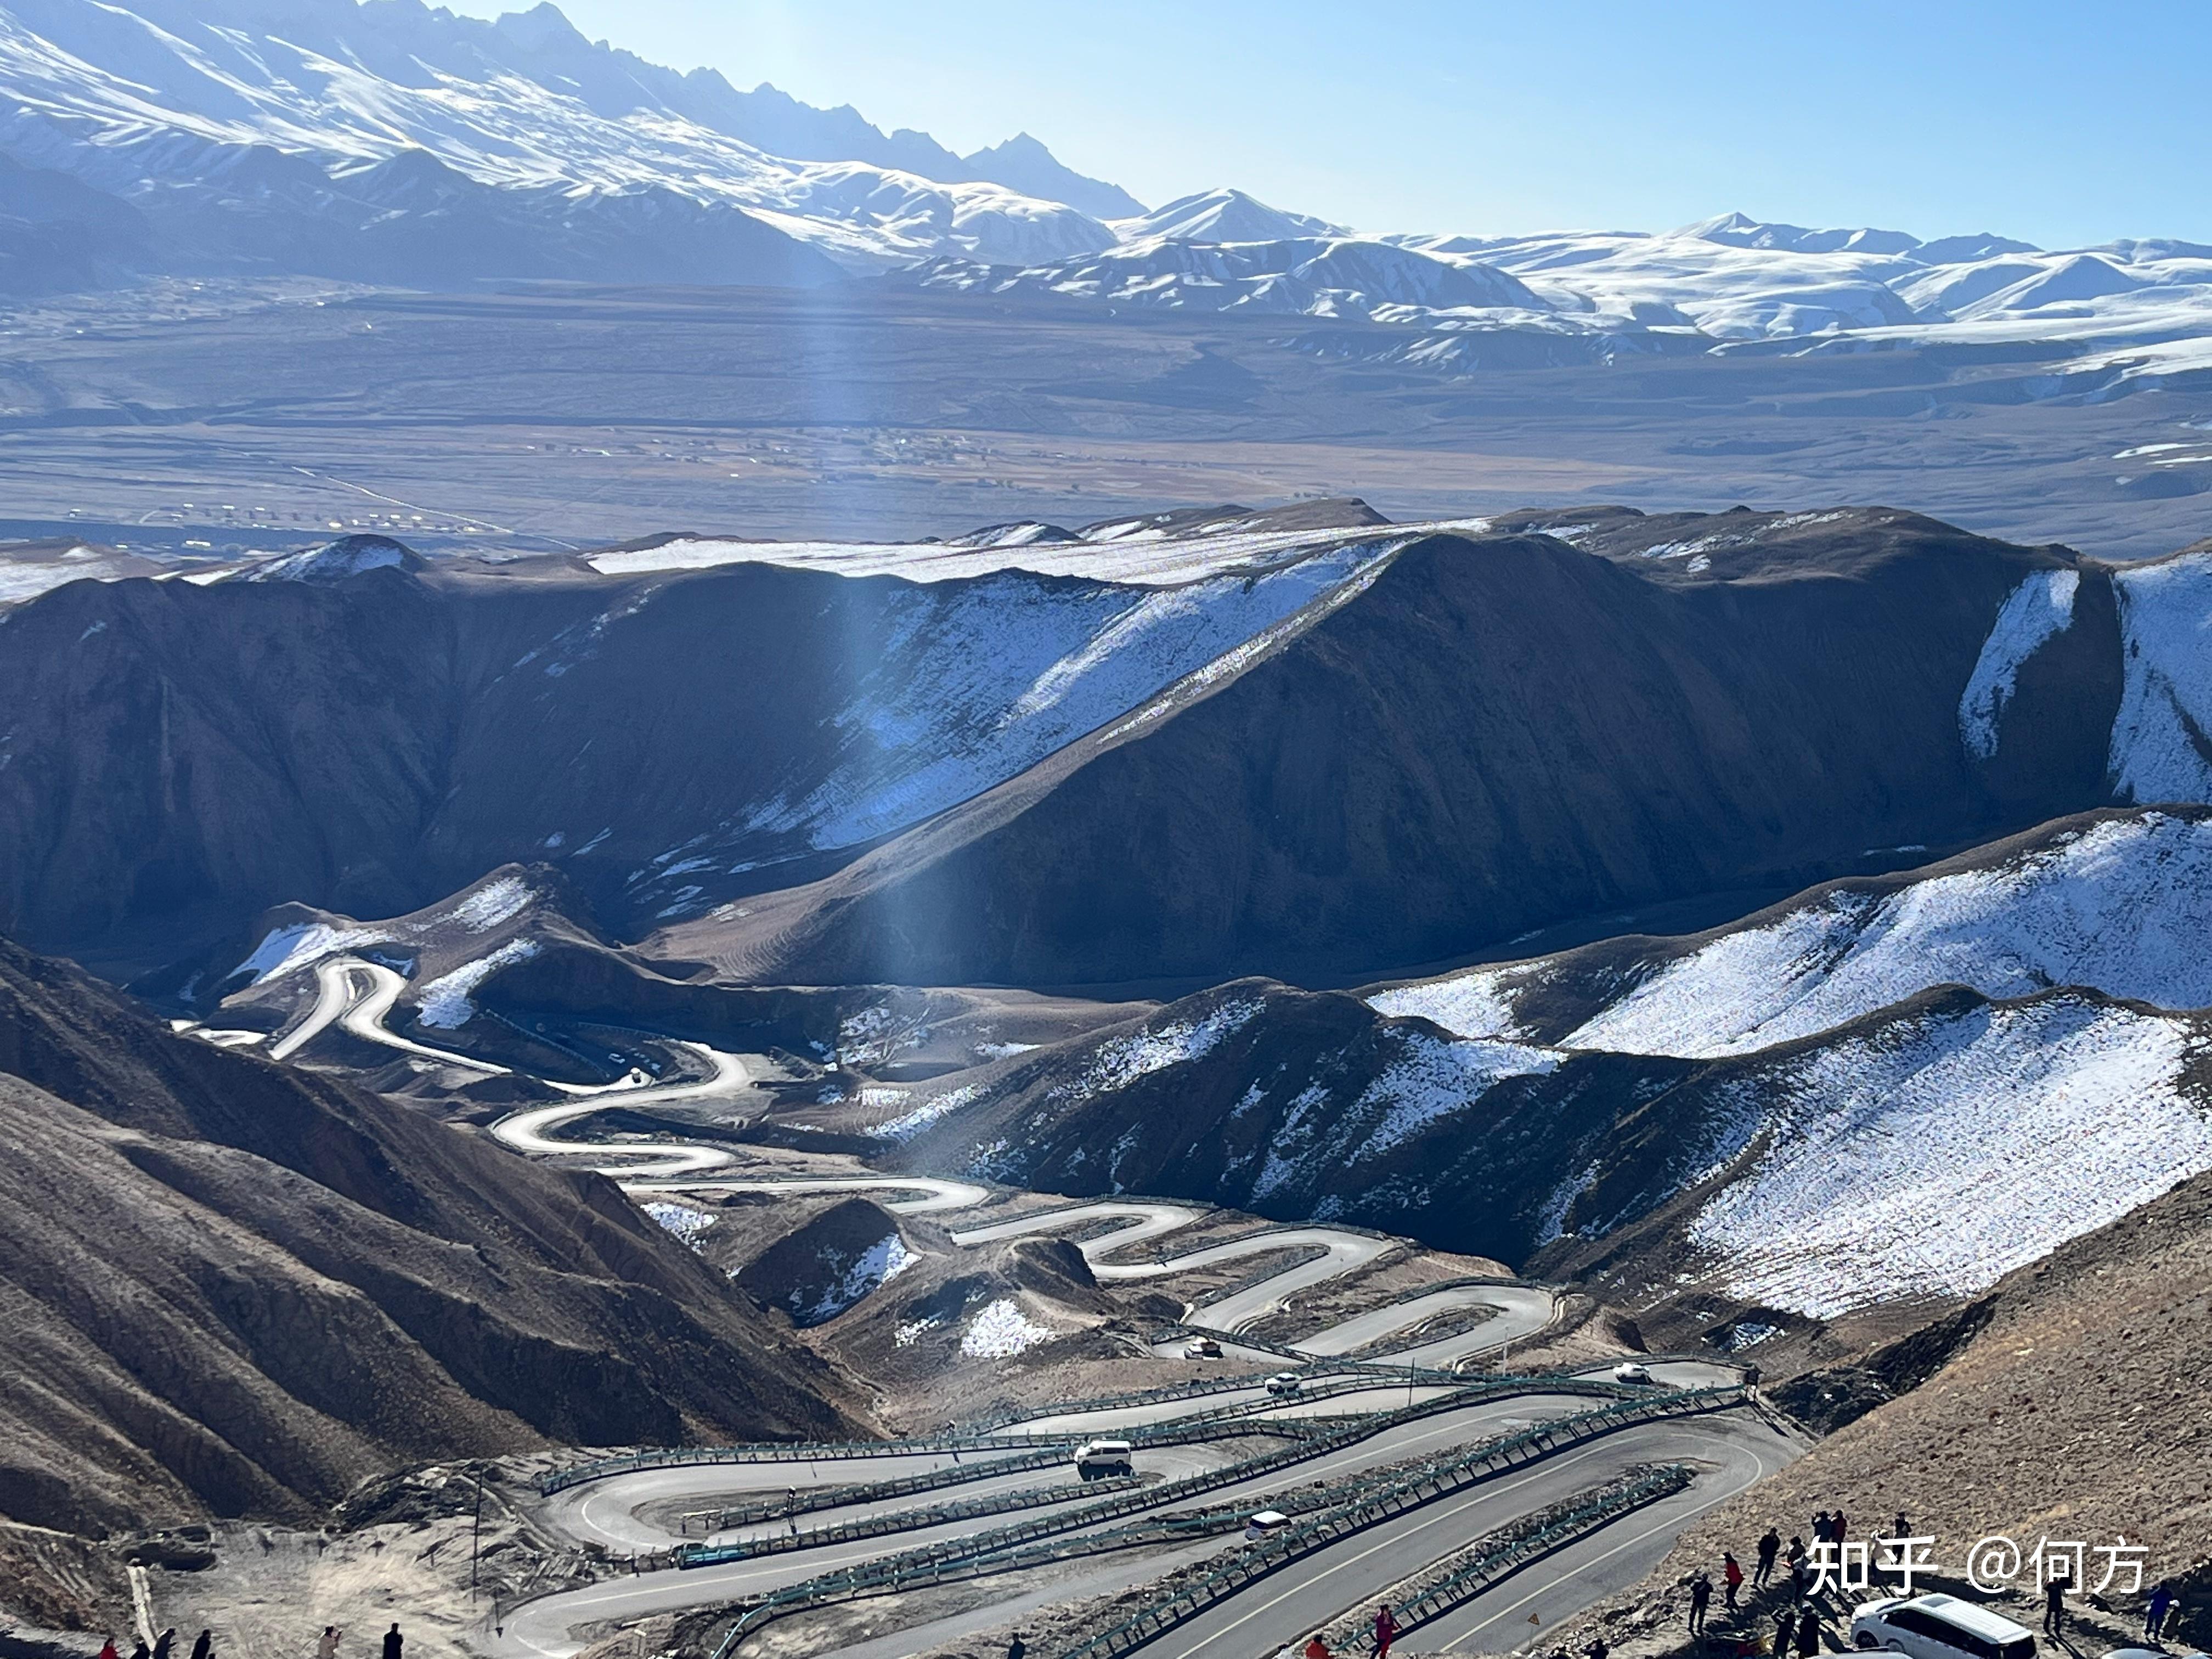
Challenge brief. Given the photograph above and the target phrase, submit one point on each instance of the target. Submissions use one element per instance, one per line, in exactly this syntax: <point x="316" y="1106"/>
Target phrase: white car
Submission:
<point x="1630" y="1371"/>
<point x="1201" y="1347"/>
<point x="1102" y="1460"/>
<point x="1283" y="1383"/>
<point x="1938" y="1627"/>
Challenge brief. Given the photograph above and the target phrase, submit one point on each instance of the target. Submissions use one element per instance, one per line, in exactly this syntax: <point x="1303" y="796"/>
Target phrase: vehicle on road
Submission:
<point x="1630" y="1371"/>
<point x="1938" y="1627"/>
<point x="1102" y="1460"/>
<point x="1283" y="1384"/>
<point x="1264" y="1523"/>
<point x="1201" y="1347"/>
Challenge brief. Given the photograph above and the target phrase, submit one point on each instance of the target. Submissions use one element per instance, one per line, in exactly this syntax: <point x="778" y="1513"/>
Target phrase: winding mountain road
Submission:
<point x="640" y="1509"/>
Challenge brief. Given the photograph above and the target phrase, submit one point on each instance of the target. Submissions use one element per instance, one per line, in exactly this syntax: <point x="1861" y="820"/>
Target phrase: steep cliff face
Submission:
<point x="235" y="1288"/>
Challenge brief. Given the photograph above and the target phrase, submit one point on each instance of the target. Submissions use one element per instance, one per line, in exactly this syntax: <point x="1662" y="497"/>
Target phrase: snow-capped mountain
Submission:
<point x="1338" y="276"/>
<point x="391" y="142"/>
<point x="235" y="105"/>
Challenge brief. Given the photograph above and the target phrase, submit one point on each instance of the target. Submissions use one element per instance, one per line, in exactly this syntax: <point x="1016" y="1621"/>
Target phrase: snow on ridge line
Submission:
<point x="973" y="685"/>
<point x="2120" y="908"/>
<point x="1162" y="561"/>
<point x="2039" y="610"/>
<point x="2052" y="1121"/>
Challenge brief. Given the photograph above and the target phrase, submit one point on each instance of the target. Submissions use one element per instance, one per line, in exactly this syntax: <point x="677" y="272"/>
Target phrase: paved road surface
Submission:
<point x="541" y="1626"/>
<point x="1293" y="1603"/>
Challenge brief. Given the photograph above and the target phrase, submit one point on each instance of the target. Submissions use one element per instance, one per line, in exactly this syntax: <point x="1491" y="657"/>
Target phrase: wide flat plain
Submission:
<point x="253" y="417"/>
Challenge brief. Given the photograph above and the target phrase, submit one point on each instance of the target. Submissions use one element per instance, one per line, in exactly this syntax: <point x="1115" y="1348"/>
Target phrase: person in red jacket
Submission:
<point x="1386" y="1631"/>
<point x="1732" y="1571"/>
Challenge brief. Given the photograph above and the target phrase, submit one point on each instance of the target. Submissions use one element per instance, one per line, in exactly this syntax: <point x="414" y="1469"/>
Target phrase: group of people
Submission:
<point x="1386" y="1629"/>
<point x="165" y="1646"/>
<point x="326" y="1645"/>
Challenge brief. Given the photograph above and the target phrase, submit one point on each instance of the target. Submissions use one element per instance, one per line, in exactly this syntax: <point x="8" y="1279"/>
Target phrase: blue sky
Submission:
<point x="2060" y="123"/>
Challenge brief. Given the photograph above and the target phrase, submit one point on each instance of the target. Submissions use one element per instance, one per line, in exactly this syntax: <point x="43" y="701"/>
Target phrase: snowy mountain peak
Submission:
<point x="1223" y="216"/>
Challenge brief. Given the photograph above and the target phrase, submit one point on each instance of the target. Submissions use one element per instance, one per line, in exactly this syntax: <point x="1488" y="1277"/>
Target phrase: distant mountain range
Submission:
<point x="398" y="144"/>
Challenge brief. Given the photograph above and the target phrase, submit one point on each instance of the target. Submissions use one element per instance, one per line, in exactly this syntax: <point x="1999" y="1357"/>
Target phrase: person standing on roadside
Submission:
<point x="2054" y="1605"/>
<point x="1597" y="1648"/>
<point x="204" y="1645"/>
<point x="1731" y="1578"/>
<point x="393" y="1641"/>
<point x="1386" y="1631"/>
<point x="1809" y="1634"/>
<point x="1785" y="1630"/>
<point x="165" y="1644"/>
<point x="1315" y="1648"/>
<point x="107" y="1650"/>
<point x="1701" y="1598"/>
<point x="326" y="1644"/>
<point x="1016" y="1648"/>
<point x="2161" y="1603"/>
<point x="1770" y="1546"/>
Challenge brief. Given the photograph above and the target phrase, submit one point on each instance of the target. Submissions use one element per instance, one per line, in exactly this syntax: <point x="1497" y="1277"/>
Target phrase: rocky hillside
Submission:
<point x="2085" y="1368"/>
<point x="237" y="1289"/>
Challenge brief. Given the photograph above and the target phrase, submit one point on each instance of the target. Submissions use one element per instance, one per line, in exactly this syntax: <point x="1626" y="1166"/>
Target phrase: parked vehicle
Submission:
<point x="1265" y="1522"/>
<point x="1201" y="1347"/>
<point x="1630" y="1371"/>
<point x="1939" y="1627"/>
<point x="1102" y="1460"/>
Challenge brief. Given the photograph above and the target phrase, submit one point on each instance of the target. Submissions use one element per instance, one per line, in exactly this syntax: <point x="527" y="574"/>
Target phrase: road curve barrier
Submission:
<point x="1001" y="1549"/>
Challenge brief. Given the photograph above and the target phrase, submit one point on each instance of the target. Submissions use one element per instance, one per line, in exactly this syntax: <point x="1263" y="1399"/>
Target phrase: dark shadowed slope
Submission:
<point x="238" y="1289"/>
<point x="1496" y="735"/>
<point x="1343" y="752"/>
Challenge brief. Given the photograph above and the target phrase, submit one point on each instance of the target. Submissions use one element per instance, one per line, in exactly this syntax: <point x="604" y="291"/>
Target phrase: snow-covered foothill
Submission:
<point x="1933" y="1159"/>
<point x="2121" y="907"/>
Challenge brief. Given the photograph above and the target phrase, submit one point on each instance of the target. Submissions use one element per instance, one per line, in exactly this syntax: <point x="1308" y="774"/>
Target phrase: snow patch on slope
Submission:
<point x="2162" y="736"/>
<point x="2041" y="607"/>
<point x="1936" y="1159"/>
<point x="867" y="1273"/>
<point x="907" y="1126"/>
<point x="283" y="948"/>
<point x="1118" y="1061"/>
<point x="1468" y="1004"/>
<point x="1435" y="1077"/>
<point x="1002" y="1330"/>
<point x="2123" y="907"/>
<point x="445" y="1004"/>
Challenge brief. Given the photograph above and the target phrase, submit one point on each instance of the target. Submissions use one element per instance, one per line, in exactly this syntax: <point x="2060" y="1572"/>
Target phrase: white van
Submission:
<point x="1939" y="1627"/>
<point x="1102" y="1460"/>
<point x="1265" y="1524"/>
